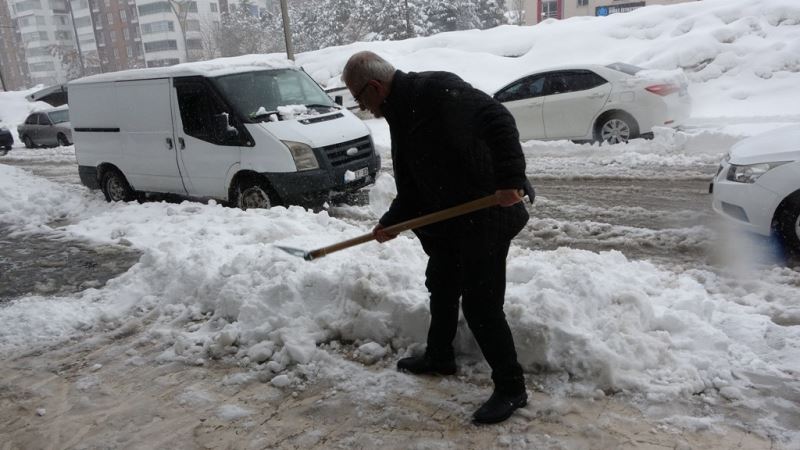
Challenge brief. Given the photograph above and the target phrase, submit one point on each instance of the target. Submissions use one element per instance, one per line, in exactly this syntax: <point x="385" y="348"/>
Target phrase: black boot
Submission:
<point x="500" y="406"/>
<point x="424" y="364"/>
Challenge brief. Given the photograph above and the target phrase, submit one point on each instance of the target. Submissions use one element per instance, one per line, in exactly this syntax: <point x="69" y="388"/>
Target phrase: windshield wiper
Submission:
<point x="319" y="105"/>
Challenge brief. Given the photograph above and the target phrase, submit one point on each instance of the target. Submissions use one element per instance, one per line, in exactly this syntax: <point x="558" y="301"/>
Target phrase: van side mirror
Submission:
<point x="339" y="100"/>
<point x="223" y="128"/>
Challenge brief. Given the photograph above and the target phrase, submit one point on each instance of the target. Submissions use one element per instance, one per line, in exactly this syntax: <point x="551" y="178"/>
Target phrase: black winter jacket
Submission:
<point x="451" y="143"/>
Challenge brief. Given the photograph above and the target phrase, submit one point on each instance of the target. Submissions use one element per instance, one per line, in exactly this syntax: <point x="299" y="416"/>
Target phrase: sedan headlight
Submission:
<point x="303" y="155"/>
<point x="750" y="173"/>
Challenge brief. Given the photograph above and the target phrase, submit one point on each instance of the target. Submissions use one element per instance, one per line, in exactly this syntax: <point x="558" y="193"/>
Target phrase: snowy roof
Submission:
<point x="212" y="68"/>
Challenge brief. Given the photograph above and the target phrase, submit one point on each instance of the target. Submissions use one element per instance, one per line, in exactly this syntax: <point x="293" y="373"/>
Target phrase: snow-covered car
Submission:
<point x="757" y="185"/>
<point x="6" y="139"/>
<point x="612" y="103"/>
<point x="46" y="128"/>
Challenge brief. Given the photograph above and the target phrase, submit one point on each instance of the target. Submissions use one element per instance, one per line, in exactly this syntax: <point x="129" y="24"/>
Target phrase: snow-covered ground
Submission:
<point x="211" y="285"/>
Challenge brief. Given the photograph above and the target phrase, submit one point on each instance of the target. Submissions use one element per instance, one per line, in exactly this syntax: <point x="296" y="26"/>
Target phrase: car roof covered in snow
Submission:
<point x="211" y="68"/>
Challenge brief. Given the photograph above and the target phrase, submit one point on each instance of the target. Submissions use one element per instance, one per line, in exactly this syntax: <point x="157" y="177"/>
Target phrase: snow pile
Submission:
<point x="14" y="108"/>
<point x="30" y="203"/>
<point x="742" y="57"/>
<point x="221" y="290"/>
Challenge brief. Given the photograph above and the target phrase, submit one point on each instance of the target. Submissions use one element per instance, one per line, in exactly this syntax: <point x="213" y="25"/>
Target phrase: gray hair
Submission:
<point x="365" y="66"/>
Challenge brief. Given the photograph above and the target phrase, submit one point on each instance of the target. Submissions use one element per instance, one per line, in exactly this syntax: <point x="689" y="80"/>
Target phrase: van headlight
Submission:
<point x="303" y="155"/>
<point x="750" y="173"/>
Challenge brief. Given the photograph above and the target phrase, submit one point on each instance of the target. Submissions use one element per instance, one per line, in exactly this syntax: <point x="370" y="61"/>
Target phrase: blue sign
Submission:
<point x="614" y="9"/>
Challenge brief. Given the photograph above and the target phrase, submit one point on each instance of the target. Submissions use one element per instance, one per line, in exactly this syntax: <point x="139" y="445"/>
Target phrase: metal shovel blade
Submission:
<point x="296" y="252"/>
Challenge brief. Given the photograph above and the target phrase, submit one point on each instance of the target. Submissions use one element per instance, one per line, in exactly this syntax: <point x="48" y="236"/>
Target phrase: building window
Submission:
<point x="62" y="35"/>
<point x="101" y="39"/>
<point x="214" y="7"/>
<point x="126" y="34"/>
<point x="113" y="35"/>
<point x="41" y="67"/>
<point x="163" y="62"/>
<point x="116" y="53"/>
<point x="194" y="44"/>
<point x="34" y="36"/>
<point x="37" y="51"/>
<point x="549" y="9"/>
<point x="60" y="20"/>
<point x="27" y="5"/>
<point x="583" y="2"/>
<point x="122" y="16"/>
<point x="108" y="3"/>
<point x="155" y="8"/>
<point x="158" y="27"/>
<point x="130" y="52"/>
<point x="40" y="20"/>
<point x="159" y="46"/>
<point x="82" y="22"/>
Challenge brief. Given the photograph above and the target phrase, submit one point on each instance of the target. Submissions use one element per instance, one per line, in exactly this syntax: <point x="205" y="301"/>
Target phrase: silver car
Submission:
<point x="46" y="128"/>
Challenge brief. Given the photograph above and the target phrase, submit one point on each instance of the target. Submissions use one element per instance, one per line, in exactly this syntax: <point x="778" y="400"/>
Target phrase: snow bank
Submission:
<point x="218" y="288"/>
<point x="742" y="57"/>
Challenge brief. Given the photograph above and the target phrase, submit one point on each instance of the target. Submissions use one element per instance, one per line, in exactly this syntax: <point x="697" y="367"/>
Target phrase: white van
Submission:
<point x="252" y="131"/>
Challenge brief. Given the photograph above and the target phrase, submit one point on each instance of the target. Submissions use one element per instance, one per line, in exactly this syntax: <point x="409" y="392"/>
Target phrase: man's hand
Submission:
<point x="381" y="235"/>
<point x="508" y="197"/>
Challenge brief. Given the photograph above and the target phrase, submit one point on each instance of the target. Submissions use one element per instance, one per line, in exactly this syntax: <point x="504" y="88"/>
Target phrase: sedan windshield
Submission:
<point x="256" y="95"/>
<point x="59" y="116"/>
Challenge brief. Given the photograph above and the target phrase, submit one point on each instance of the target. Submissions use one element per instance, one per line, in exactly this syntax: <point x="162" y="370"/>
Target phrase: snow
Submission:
<point x="214" y="285"/>
<point x="212" y="68"/>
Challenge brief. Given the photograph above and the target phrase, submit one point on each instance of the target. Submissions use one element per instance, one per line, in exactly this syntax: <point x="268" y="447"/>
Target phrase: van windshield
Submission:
<point x="257" y="95"/>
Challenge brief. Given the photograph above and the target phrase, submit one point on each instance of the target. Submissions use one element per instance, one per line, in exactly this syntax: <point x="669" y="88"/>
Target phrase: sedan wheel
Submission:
<point x="615" y="131"/>
<point x="788" y="226"/>
<point x="27" y="141"/>
<point x="254" y="196"/>
<point x="62" y="140"/>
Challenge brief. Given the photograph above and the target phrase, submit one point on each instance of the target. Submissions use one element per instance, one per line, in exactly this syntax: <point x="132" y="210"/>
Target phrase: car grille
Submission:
<point x="338" y="155"/>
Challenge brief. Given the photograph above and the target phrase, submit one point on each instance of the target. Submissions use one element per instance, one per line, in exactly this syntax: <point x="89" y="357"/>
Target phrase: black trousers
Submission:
<point x="472" y="267"/>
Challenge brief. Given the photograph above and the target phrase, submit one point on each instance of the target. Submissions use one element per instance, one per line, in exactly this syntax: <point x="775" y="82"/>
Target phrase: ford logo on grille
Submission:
<point x="351" y="151"/>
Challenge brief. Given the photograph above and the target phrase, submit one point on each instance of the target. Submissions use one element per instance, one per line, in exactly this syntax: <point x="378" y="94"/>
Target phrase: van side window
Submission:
<point x="201" y="113"/>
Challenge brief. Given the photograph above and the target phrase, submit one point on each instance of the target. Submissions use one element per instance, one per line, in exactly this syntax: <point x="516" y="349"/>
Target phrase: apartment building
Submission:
<point x="13" y="69"/>
<point x="45" y="37"/>
<point x="539" y="10"/>
<point x="174" y="32"/>
<point x="117" y="38"/>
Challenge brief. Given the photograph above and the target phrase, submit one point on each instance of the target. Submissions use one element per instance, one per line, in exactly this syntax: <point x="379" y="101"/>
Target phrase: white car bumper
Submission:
<point x="748" y="205"/>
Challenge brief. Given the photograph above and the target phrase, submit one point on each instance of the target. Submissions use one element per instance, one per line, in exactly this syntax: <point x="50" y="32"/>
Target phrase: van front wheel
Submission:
<point x="253" y="195"/>
<point x="115" y="187"/>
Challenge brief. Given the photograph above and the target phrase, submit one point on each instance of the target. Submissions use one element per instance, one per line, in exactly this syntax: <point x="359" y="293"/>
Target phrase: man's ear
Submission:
<point x="381" y="87"/>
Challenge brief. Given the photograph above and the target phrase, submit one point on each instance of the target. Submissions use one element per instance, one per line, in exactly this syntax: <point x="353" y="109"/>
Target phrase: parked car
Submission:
<point x="757" y="186"/>
<point x="250" y="135"/>
<point x="6" y="139"/>
<point x="46" y="128"/>
<point x="612" y="103"/>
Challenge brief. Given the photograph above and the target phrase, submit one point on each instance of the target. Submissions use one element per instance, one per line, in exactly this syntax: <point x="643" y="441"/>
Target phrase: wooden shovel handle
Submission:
<point x="449" y="213"/>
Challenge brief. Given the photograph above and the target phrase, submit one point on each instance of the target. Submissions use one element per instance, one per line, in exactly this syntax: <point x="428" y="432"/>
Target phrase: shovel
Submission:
<point x="464" y="208"/>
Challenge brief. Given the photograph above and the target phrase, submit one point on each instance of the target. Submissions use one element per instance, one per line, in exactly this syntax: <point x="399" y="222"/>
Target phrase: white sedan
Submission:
<point x="612" y="103"/>
<point x="757" y="186"/>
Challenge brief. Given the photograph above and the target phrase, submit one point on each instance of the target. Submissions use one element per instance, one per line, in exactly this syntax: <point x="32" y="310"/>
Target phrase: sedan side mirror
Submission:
<point x="339" y="100"/>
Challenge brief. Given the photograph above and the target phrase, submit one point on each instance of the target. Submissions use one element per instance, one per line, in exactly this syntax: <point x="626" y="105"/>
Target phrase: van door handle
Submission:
<point x="181" y="143"/>
<point x="169" y="144"/>
<point x="597" y="95"/>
